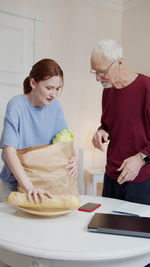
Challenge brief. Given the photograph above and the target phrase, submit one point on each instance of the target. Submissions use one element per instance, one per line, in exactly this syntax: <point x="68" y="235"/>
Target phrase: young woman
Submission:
<point x="33" y="119"/>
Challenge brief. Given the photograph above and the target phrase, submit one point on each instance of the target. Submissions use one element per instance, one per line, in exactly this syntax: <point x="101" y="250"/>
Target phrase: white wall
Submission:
<point x="136" y="37"/>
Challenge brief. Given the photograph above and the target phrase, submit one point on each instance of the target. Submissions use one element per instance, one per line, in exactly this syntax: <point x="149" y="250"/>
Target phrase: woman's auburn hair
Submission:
<point x="42" y="70"/>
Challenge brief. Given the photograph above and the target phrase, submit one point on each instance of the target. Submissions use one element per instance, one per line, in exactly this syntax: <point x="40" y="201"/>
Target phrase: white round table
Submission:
<point x="28" y="240"/>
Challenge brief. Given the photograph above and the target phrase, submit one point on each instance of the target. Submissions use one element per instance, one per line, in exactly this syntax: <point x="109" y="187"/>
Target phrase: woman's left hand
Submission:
<point x="72" y="167"/>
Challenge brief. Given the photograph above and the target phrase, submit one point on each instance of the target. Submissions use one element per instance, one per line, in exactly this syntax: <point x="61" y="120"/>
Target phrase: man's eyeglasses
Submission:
<point x="101" y="73"/>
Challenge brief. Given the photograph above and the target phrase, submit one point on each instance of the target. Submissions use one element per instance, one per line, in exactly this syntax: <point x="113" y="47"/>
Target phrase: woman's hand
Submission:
<point x="17" y="169"/>
<point x="73" y="167"/>
<point x="37" y="194"/>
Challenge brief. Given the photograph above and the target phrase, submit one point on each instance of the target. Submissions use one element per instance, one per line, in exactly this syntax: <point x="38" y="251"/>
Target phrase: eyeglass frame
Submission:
<point x="102" y="73"/>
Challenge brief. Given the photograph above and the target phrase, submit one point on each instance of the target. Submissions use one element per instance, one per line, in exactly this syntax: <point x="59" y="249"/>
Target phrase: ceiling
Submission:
<point x="120" y="5"/>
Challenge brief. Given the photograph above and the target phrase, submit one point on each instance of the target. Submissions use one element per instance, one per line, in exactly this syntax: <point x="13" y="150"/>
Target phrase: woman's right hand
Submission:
<point x="37" y="194"/>
<point x="100" y="137"/>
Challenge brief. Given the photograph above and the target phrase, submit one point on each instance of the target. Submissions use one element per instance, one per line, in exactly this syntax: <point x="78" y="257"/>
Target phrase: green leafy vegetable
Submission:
<point x="63" y="136"/>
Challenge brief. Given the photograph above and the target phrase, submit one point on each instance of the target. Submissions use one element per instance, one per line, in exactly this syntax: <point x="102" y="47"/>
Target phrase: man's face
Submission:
<point x="103" y="68"/>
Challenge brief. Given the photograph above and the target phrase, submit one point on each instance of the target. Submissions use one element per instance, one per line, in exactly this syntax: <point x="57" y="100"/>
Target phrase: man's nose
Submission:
<point x="98" y="78"/>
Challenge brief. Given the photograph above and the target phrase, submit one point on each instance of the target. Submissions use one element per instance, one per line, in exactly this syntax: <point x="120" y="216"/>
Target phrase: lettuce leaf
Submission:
<point x="63" y="136"/>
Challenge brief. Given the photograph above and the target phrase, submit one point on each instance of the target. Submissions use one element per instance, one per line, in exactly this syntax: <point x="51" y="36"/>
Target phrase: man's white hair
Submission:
<point x="111" y="49"/>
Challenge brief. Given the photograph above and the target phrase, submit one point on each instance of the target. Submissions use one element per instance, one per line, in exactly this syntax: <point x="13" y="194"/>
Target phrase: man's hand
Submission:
<point x="99" y="138"/>
<point x="130" y="168"/>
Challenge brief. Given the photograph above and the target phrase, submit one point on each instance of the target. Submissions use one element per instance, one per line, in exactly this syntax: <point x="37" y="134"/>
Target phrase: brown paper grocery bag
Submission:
<point x="44" y="165"/>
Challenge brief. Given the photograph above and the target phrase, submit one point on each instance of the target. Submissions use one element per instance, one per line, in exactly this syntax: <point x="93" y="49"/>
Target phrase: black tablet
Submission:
<point x="120" y="225"/>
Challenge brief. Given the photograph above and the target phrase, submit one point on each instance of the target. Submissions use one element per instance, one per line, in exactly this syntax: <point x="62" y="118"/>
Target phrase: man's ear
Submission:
<point x="32" y="83"/>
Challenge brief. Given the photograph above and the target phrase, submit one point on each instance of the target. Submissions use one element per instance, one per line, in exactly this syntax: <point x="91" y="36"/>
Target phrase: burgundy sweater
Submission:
<point x="126" y="117"/>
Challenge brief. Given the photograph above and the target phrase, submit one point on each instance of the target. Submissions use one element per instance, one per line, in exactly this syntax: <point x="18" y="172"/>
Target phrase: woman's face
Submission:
<point x="44" y="91"/>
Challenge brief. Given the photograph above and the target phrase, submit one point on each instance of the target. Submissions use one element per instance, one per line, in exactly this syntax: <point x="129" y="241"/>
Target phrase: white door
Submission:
<point x="16" y="56"/>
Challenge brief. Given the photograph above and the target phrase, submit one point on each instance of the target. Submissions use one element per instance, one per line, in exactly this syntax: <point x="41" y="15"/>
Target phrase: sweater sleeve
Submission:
<point x="146" y="120"/>
<point x="102" y="124"/>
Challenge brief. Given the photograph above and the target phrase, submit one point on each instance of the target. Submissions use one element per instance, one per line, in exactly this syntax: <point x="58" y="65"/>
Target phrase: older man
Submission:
<point x="125" y="122"/>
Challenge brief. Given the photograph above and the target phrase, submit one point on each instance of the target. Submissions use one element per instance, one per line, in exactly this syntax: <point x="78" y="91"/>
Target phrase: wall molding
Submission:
<point x="12" y="8"/>
<point x="114" y="4"/>
<point x="119" y="5"/>
<point x="131" y="3"/>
